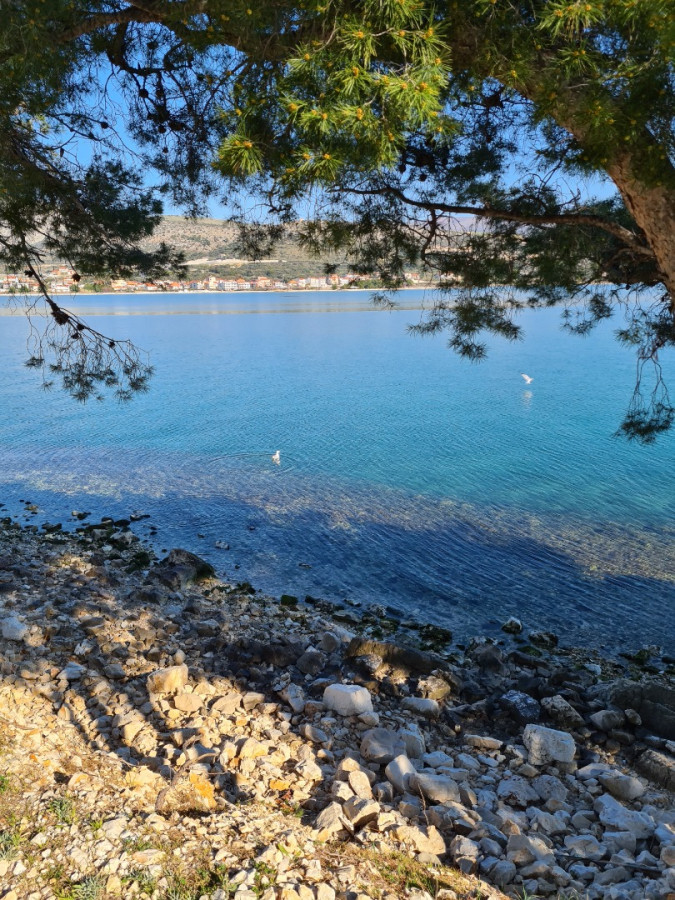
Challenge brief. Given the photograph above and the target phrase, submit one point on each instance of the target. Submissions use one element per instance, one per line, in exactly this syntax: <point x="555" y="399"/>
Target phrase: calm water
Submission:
<point x="408" y="477"/>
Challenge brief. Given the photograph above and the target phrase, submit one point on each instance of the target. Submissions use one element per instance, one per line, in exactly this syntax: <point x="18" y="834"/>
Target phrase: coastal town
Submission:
<point x="63" y="280"/>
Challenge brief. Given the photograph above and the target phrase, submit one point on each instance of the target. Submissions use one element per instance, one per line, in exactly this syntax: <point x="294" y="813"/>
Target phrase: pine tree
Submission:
<point x="448" y="134"/>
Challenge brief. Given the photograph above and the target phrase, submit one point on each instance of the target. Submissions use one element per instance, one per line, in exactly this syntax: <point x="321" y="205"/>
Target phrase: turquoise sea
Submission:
<point x="451" y="492"/>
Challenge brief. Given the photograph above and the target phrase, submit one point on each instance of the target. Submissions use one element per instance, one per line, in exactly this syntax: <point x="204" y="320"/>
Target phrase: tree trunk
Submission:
<point x="653" y="208"/>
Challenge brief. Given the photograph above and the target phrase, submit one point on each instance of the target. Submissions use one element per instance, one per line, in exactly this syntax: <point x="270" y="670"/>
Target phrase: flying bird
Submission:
<point x="276" y="457"/>
<point x="527" y="378"/>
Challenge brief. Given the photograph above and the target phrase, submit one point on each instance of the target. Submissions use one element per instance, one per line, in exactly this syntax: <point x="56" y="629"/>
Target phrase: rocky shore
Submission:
<point x="167" y="734"/>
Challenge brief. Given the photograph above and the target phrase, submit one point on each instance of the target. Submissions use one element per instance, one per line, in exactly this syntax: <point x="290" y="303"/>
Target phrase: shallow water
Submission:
<point x="452" y="492"/>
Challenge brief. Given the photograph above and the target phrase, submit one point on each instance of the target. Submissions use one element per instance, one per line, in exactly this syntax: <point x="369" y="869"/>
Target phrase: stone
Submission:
<point x="550" y="788"/>
<point x="330" y="642"/>
<point x="360" y="783"/>
<point x="381" y="746"/>
<point x="562" y="712"/>
<point x="188" y="703"/>
<point x="607" y="719"/>
<point x="347" y="699"/>
<point x="325" y="892"/>
<point x="113" y="828"/>
<point x="465" y="854"/>
<point x="437" y="788"/>
<point x="226" y="704"/>
<point x="329" y="822"/>
<point x="546" y="745"/>
<point x="294" y="696"/>
<point x="72" y="671"/>
<point x="523" y="849"/>
<point x="314" y="734"/>
<point x="482" y="742"/>
<point x="585" y="846"/>
<point x="623" y="787"/>
<point x="194" y="794"/>
<point x="423" y="839"/>
<point x="168" y="681"/>
<point x="414" y="741"/>
<point x="517" y="791"/>
<point x="250" y="748"/>
<point x="423" y="706"/>
<point x="512" y="626"/>
<point x="658" y="767"/>
<point x="521" y="707"/>
<point x="434" y="687"/>
<point x="13" y="629"/>
<point x="615" y="816"/>
<point x="398" y="772"/>
<point x="547" y="640"/>
<point x="179" y="569"/>
<point x="653" y="701"/>
<point x="311" y="662"/>
<point x="503" y="873"/>
<point x="361" y="811"/>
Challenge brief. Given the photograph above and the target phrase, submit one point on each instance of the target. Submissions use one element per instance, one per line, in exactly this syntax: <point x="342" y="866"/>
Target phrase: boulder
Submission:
<point x="168" y="681"/>
<point x="399" y="772"/>
<point x="658" y="767"/>
<point x="347" y="699"/>
<point x="546" y="745"/>
<point x="618" y="818"/>
<point x="361" y="811"/>
<point x="607" y="719"/>
<point x="381" y="746"/>
<point x="521" y="707"/>
<point x="413" y="739"/>
<point x="517" y="791"/>
<point x="13" y="629"/>
<point x="465" y="854"/>
<point x="294" y="696"/>
<point x="623" y="787"/>
<point x="311" y="662"/>
<point x="423" y="706"/>
<point x="179" y="569"/>
<point x="424" y="840"/>
<point x="562" y="712"/>
<point x="436" y="788"/>
<point x="652" y="700"/>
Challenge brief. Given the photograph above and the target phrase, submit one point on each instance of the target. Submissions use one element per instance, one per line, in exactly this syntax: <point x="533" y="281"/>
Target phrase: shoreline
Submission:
<point x="327" y="289"/>
<point x="139" y="691"/>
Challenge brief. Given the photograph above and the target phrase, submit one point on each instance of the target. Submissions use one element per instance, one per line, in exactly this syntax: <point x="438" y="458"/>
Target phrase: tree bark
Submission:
<point x="653" y="208"/>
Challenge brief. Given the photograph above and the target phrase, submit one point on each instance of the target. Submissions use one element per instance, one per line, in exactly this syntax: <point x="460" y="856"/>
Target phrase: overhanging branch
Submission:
<point x="625" y="235"/>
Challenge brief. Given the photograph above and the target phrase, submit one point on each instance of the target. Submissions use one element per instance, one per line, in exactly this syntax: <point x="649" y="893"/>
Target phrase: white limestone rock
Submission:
<point x="618" y="818"/>
<point x="13" y="629"/>
<point x="347" y="699"/>
<point x="168" y="681"/>
<point x="546" y="745"/>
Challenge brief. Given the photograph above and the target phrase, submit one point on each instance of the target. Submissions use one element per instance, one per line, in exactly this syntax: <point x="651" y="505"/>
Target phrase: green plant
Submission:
<point x="265" y="876"/>
<point x="9" y="843"/>
<point x="63" y="808"/>
<point x="143" y="879"/>
<point x="90" y="888"/>
<point x="4" y="783"/>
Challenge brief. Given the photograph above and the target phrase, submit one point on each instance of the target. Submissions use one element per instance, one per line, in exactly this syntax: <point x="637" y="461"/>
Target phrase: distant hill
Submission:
<point x="210" y="246"/>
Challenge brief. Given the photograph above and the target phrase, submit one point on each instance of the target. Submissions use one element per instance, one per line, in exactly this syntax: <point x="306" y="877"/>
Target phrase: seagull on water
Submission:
<point x="527" y="378"/>
<point x="276" y="457"/>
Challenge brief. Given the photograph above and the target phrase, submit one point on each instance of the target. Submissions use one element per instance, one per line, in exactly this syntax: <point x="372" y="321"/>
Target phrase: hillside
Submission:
<point x="210" y="246"/>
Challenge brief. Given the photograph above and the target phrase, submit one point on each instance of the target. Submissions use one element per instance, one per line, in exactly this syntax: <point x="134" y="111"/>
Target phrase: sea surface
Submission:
<point x="450" y="492"/>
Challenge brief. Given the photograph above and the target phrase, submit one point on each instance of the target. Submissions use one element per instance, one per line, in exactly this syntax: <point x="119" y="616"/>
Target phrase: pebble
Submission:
<point x="180" y="705"/>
